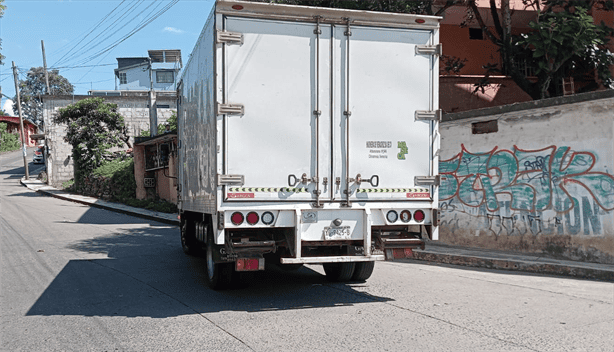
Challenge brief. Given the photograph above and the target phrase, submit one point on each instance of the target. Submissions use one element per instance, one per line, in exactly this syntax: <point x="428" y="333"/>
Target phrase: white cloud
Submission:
<point x="173" y="30"/>
<point x="8" y="107"/>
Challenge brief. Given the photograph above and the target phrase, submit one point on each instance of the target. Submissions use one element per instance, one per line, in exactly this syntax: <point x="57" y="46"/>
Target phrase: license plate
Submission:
<point x="337" y="233"/>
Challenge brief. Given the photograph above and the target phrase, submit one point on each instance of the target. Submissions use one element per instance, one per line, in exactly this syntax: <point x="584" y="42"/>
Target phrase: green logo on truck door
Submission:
<point x="403" y="151"/>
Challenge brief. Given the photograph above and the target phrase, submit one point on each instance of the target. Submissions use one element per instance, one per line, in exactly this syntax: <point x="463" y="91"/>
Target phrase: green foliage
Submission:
<point x="33" y="88"/>
<point x="8" y="141"/>
<point x="401" y="6"/>
<point x="94" y="126"/>
<point x="68" y="185"/>
<point x="560" y="40"/>
<point x="171" y="122"/>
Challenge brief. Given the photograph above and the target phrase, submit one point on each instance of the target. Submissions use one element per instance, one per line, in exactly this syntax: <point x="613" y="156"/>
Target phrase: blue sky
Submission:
<point x="62" y="24"/>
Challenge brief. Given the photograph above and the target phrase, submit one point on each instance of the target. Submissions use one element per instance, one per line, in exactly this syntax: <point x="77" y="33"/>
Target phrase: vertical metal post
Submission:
<point x="23" y="134"/>
<point x="45" y="67"/>
<point x="317" y="112"/>
<point x="153" y="117"/>
<point x="347" y="113"/>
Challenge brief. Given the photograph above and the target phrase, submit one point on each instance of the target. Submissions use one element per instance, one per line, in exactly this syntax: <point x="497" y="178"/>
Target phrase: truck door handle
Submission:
<point x="293" y="180"/>
<point x="374" y="181"/>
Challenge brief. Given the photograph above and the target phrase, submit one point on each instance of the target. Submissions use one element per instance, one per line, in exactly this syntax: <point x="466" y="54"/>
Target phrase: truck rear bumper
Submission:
<point x="338" y="259"/>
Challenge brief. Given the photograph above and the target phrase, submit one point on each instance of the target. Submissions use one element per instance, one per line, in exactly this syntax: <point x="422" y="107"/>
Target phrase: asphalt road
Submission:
<point x="76" y="278"/>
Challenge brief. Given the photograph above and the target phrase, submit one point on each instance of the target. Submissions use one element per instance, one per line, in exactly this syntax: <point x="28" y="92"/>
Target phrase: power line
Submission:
<point x="90" y="32"/>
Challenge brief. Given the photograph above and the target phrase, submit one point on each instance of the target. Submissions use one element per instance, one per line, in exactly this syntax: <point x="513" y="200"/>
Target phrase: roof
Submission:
<point x="170" y="55"/>
<point x="14" y="119"/>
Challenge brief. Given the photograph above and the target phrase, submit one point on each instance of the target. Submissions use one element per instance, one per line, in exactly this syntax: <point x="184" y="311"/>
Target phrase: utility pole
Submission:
<point x="153" y="112"/>
<point x="45" y="67"/>
<point x="23" y="133"/>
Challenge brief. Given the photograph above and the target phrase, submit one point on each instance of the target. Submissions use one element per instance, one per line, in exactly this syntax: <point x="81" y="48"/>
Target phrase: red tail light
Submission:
<point x="236" y="218"/>
<point x="419" y="216"/>
<point x="249" y="264"/>
<point x="252" y="218"/>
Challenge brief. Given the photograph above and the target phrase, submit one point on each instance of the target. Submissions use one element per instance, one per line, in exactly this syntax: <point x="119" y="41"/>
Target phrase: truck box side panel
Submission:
<point x="197" y="127"/>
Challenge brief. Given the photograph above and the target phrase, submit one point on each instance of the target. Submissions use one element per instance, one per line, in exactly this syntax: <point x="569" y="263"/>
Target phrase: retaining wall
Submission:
<point x="531" y="177"/>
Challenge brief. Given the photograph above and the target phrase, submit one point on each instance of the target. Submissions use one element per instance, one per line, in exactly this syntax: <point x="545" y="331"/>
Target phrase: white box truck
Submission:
<point x="308" y="136"/>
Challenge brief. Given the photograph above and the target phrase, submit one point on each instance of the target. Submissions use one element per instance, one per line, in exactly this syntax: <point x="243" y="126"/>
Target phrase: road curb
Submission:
<point x="170" y="219"/>
<point x="529" y="266"/>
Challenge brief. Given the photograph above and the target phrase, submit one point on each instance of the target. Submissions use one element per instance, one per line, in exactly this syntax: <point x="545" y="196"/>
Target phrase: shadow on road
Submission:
<point x="148" y="275"/>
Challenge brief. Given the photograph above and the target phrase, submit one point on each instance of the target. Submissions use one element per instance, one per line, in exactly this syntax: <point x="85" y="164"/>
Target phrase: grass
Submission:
<point x="120" y="174"/>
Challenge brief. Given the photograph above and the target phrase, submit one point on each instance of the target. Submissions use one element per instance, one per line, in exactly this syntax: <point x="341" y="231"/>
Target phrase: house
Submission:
<point x="132" y="105"/>
<point x="12" y="123"/>
<point x="468" y="46"/>
<point x="159" y="71"/>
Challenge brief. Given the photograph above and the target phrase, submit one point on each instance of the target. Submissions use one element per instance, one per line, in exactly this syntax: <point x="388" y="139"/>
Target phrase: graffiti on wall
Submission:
<point x="513" y="190"/>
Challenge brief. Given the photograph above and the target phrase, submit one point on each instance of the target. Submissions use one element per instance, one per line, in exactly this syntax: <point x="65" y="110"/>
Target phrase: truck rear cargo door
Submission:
<point x="382" y="146"/>
<point x="281" y="144"/>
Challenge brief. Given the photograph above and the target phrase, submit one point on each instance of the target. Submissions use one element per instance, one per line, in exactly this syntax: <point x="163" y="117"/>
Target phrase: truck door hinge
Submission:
<point x="427" y="180"/>
<point x="429" y="49"/>
<point x="224" y="37"/>
<point x="230" y="109"/>
<point x="428" y="115"/>
<point x="230" y="180"/>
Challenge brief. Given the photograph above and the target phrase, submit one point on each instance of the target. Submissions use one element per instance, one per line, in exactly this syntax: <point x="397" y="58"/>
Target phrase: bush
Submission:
<point x="8" y="141"/>
<point x="120" y="176"/>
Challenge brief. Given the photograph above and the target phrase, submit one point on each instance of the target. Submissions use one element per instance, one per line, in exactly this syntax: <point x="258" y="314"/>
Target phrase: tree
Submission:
<point x="560" y="41"/>
<point x="33" y="88"/>
<point x="556" y="19"/>
<point x="402" y="6"/>
<point x="8" y="141"/>
<point x="94" y="126"/>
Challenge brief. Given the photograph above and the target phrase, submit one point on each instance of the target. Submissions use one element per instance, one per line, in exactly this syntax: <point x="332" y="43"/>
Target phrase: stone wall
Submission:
<point x="531" y="177"/>
<point x="134" y="108"/>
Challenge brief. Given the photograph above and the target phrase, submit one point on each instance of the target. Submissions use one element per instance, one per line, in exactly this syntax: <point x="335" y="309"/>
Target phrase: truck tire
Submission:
<point x="219" y="275"/>
<point x="339" y="272"/>
<point x="189" y="244"/>
<point x="363" y="271"/>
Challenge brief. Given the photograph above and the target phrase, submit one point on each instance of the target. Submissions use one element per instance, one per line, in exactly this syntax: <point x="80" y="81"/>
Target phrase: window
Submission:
<point x="476" y="33"/>
<point x="491" y="126"/>
<point x="164" y="77"/>
<point x="122" y="78"/>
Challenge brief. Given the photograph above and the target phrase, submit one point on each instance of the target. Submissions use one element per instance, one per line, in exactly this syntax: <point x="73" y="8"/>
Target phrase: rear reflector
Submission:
<point x="252" y="218"/>
<point x="398" y="253"/>
<point x="419" y="216"/>
<point x="250" y="264"/>
<point x="237" y="7"/>
<point x="237" y="218"/>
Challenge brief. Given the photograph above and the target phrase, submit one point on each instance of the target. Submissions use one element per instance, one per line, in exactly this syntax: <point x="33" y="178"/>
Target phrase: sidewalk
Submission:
<point x="39" y="186"/>
<point x="434" y="252"/>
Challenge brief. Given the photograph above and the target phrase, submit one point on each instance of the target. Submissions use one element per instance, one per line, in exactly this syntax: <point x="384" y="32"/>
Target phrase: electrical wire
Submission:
<point x="90" y="32"/>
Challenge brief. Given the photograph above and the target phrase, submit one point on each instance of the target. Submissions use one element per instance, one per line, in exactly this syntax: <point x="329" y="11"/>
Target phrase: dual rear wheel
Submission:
<point x="343" y="272"/>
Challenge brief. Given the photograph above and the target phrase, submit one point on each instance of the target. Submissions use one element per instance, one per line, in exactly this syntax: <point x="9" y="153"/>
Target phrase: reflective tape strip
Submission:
<point x="267" y="189"/>
<point x="393" y="190"/>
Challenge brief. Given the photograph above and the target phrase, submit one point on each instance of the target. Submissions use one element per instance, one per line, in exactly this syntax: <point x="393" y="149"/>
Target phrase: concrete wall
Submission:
<point x="542" y="183"/>
<point x="134" y="109"/>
